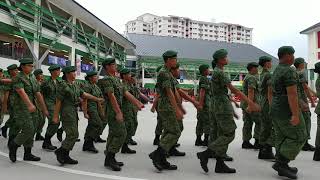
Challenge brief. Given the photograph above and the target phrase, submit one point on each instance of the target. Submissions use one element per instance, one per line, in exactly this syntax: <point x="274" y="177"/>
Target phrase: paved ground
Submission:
<point x="139" y="166"/>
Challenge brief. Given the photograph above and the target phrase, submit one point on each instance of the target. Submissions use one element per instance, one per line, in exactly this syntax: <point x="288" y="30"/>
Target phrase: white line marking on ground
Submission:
<point x="73" y="171"/>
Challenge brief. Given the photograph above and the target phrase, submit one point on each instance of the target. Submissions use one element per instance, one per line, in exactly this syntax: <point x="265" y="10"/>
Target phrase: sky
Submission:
<point x="275" y="22"/>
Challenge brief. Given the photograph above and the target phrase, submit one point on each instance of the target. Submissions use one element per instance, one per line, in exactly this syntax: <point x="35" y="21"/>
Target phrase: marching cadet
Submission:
<point x="67" y="101"/>
<point x="27" y="91"/>
<point x="288" y="122"/>
<point x="114" y="92"/>
<point x="251" y="90"/>
<point x="129" y="110"/>
<point x="204" y="115"/>
<point x="38" y="73"/>
<point x="8" y="100"/>
<point x="266" y="133"/>
<point x="93" y="111"/>
<point x="304" y="94"/>
<point x="49" y="90"/>
<point x="223" y="115"/>
<point x="169" y="113"/>
<point x="316" y="156"/>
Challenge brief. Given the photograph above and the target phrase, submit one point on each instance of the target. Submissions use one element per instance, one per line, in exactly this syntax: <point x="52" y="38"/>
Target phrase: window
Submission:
<point x="169" y="31"/>
<point x="159" y="21"/>
<point x="169" y="20"/>
<point x="169" y="25"/>
<point x="144" y="25"/>
<point x="144" y="30"/>
<point x="159" y="26"/>
<point x="318" y="55"/>
<point x="210" y="30"/>
<point x="160" y="31"/>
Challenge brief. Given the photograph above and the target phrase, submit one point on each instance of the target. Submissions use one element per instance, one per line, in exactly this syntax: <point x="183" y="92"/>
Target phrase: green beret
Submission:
<point x="91" y="73"/>
<point x="26" y="61"/>
<point x="285" y="50"/>
<point x="53" y="67"/>
<point x="69" y="69"/>
<point x="169" y="54"/>
<point x="37" y="72"/>
<point x="176" y="67"/>
<point x="264" y="59"/>
<point x="108" y="61"/>
<point x="251" y="65"/>
<point x="317" y="67"/>
<point x="12" y="67"/>
<point x="158" y="68"/>
<point x="124" y="71"/>
<point x="219" y="54"/>
<point x="203" y="67"/>
<point x="298" y="61"/>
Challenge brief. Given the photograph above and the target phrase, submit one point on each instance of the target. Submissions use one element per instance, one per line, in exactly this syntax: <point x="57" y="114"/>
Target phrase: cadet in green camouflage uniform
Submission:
<point x="288" y="122"/>
<point x="169" y="113"/>
<point x="49" y="90"/>
<point x="251" y="89"/>
<point x="316" y="156"/>
<point x="223" y="115"/>
<point x="114" y="92"/>
<point x="41" y="119"/>
<point x="8" y="104"/>
<point x="68" y="99"/>
<point x="94" y="112"/>
<point x="136" y="93"/>
<point x="204" y="115"/>
<point x="266" y="133"/>
<point x="129" y="109"/>
<point x="304" y="95"/>
<point x="27" y="91"/>
<point x="1" y="96"/>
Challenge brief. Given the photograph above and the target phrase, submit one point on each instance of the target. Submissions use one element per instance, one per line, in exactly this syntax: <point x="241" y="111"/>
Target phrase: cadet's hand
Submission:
<point x="140" y="106"/>
<point x="46" y="113"/>
<point x="86" y="115"/>
<point x="153" y="110"/>
<point x="197" y="105"/>
<point x="179" y="114"/>
<point x="100" y="100"/>
<point x="119" y="117"/>
<point x="313" y="104"/>
<point x="4" y="110"/>
<point x="32" y="108"/>
<point x="55" y="119"/>
<point x="183" y="110"/>
<point x="253" y="107"/>
<point x="295" y="120"/>
<point x="237" y="105"/>
<point x="235" y="115"/>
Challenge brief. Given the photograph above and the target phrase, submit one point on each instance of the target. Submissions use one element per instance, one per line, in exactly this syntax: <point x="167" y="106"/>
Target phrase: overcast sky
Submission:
<point x="274" y="22"/>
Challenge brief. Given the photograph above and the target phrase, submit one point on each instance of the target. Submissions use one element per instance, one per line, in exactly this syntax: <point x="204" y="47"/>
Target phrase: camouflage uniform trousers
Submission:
<point x="69" y="119"/>
<point x="135" y="122"/>
<point x="117" y="133"/>
<point x="307" y="120"/>
<point x="248" y="120"/>
<point x="225" y="133"/>
<point x="40" y="121"/>
<point x="289" y="139"/>
<point x="95" y="125"/>
<point x="203" y="122"/>
<point x="267" y="132"/>
<point x="317" y="143"/>
<point x="52" y="127"/>
<point x="25" y="124"/>
<point x="171" y="129"/>
<point x="129" y="117"/>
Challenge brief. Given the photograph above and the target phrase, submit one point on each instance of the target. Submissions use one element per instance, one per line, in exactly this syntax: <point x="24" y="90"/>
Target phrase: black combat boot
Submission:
<point x="59" y="134"/>
<point x="166" y="165"/>
<point x="247" y="145"/>
<point x="206" y="139"/>
<point x="118" y="162"/>
<point x="308" y="147"/>
<point x="316" y="156"/>
<point x="39" y="137"/>
<point x="68" y="159"/>
<point x="204" y="157"/>
<point x="110" y="163"/>
<point x="257" y="144"/>
<point x="198" y="142"/>
<point x="158" y="157"/>
<point x="4" y="131"/>
<point x="28" y="156"/>
<point x="47" y="145"/>
<point x="174" y="152"/>
<point x="61" y="155"/>
<point x="13" y="147"/>
<point x="99" y="140"/>
<point x="89" y="146"/>
<point x="132" y="142"/>
<point x="283" y="169"/>
<point x="126" y="150"/>
<point x="221" y="167"/>
<point x="266" y="153"/>
<point x="156" y="140"/>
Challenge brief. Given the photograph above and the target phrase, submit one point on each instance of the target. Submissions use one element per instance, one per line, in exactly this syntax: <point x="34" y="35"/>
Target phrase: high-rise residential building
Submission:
<point x="183" y="27"/>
